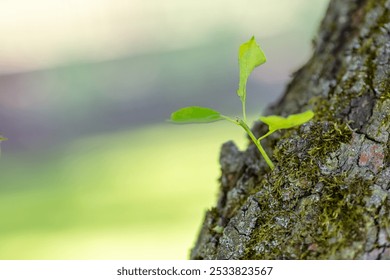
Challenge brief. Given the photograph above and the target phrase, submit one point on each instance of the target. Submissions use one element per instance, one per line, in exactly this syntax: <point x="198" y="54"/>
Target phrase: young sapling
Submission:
<point x="250" y="56"/>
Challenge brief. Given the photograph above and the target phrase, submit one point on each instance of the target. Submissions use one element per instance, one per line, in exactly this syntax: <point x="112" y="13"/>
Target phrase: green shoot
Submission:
<point x="276" y="122"/>
<point x="195" y="114"/>
<point x="250" y="56"/>
<point x="257" y="143"/>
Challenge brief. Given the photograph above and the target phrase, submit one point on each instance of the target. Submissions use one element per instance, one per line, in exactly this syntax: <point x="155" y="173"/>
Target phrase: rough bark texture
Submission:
<point x="329" y="195"/>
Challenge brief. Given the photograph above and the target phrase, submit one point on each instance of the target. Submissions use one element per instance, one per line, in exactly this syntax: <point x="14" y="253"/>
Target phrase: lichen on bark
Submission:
<point x="329" y="194"/>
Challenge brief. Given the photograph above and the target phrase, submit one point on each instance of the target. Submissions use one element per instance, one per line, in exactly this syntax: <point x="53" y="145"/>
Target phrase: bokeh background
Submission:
<point x="91" y="170"/>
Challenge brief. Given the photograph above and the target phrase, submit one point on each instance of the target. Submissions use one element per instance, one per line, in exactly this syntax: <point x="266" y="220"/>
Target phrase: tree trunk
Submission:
<point x="329" y="194"/>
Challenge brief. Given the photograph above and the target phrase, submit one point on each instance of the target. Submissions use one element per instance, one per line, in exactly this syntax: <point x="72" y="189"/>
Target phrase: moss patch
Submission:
<point x="304" y="213"/>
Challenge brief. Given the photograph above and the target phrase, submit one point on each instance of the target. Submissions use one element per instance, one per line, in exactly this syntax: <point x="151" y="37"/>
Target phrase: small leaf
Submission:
<point x="276" y="122"/>
<point x="195" y="114"/>
<point x="250" y="55"/>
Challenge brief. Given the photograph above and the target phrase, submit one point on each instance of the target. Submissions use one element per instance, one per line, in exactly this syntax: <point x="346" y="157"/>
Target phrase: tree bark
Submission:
<point x="329" y="194"/>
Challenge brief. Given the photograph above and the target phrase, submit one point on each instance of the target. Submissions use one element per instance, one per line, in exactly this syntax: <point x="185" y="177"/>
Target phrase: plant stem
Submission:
<point x="257" y="143"/>
<point x="243" y="110"/>
<point x="265" y="135"/>
<point x="230" y="120"/>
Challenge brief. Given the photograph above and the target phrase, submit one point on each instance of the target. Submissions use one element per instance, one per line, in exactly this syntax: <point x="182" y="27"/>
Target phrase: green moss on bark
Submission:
<point x="328" y="197"/>
<point x="315" y="215"/>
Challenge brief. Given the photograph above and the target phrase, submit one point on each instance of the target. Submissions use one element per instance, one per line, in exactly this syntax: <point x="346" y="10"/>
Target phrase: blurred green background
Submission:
<point x="91" y="170"/>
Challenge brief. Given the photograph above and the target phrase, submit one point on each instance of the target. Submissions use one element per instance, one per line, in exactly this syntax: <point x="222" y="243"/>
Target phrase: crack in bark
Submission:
<point x="239" y="232"/>
<point x="383" y="251"/>
<point x="369" y="137"/>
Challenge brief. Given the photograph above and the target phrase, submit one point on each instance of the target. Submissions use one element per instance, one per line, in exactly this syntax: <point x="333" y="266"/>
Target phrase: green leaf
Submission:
<point x="276" y="122"/>
<point x="250" y="55"/>
<point x="195" y="114"/>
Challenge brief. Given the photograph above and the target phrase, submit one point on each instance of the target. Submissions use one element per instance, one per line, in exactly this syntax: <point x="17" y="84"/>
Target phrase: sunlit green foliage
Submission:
<point x="250" y="56"/>
<point x="277" y="122"/>
<point x="195" y="114"/>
